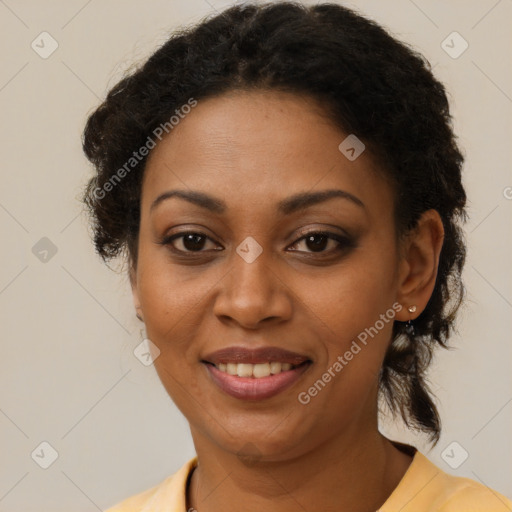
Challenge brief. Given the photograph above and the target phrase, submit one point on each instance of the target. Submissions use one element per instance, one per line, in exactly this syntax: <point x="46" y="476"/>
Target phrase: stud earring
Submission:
<point x="409" y="328"/>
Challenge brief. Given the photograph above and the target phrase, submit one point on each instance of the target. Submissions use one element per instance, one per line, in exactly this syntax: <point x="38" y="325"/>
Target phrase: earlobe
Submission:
<point x="420" y="262"/>
<point x="135" y="294"/>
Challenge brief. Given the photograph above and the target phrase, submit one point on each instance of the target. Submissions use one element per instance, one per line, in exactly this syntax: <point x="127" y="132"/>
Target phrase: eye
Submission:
<point x="318" y="241"/>
<point x="187" y="241"/>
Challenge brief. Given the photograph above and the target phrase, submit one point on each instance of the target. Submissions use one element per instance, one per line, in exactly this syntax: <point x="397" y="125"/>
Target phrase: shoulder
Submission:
<point x="428" y="488"/>
<point x="471" y="496"/>
<point x="138" y="502"/>
<point x="169" y="495"/>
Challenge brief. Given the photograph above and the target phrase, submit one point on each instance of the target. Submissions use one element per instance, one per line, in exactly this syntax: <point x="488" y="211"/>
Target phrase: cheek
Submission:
<point x="172" y="309"/>
<point x="165" y="299"/>
<point x="353" y="311"/>
<point x="355" y="293"/>
<point x="171" y="303"/>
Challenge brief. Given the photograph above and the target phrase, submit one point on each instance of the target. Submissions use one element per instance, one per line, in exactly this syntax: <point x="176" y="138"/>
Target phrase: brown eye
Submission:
<point x="319" y="241"/>
<point x="316" y="243"/>
<point x="189" y="241"/>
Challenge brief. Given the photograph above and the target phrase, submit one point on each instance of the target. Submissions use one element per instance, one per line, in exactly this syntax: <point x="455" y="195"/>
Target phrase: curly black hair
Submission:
<point x="372" y="85"/>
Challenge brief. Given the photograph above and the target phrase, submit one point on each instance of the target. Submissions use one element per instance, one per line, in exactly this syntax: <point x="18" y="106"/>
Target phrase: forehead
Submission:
<point x="254" y="147"/>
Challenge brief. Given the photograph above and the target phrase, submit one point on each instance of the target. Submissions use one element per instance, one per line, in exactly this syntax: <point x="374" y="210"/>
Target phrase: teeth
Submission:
<point x="245" y="370"/>
<point x="275" y="368"/>
<point x="254" y="370"/>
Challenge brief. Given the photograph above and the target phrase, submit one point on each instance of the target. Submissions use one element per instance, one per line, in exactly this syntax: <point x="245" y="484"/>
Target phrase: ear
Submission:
<point x="135" y="292"/>
<point x="419" y="264"/>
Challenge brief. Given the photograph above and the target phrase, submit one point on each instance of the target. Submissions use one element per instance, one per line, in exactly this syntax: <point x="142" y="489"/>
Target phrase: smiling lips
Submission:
<point x="255" y="374"/>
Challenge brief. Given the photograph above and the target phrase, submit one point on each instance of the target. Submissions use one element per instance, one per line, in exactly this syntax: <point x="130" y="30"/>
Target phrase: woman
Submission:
<point x="286" y="186"/>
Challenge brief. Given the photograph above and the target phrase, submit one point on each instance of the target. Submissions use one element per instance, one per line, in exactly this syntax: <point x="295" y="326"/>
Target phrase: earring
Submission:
<point x="409" y="328"/>
<point x="139" y="317"/>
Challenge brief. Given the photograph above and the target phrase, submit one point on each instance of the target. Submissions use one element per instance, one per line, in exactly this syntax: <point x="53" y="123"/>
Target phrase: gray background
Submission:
<point x="68" y="375"/>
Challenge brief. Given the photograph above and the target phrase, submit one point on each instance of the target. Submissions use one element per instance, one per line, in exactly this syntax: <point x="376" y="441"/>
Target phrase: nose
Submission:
<point x="252" y="294"/>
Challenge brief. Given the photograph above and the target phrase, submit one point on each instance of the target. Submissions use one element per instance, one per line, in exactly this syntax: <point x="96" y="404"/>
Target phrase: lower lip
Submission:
<point x="249" y="388"/>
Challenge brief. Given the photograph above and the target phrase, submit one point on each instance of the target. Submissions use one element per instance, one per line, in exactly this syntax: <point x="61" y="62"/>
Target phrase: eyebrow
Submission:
<point x="286" y="206"/>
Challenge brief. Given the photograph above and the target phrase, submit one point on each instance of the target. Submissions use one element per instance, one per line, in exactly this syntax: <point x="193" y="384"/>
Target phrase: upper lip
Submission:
<point x="254" y="356"/>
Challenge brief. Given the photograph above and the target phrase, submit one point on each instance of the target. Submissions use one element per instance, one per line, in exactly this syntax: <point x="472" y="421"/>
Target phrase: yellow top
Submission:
<point x="423" y="488"/>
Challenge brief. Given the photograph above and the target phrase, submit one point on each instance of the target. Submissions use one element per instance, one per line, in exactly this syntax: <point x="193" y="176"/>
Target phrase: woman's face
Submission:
<point x="250" y="273"/>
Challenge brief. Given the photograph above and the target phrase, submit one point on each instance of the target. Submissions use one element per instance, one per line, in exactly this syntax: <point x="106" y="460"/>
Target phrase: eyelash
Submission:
<point x="344" y="242"/>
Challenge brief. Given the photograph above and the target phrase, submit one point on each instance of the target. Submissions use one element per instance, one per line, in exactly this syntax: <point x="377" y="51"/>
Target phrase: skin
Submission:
<point x="252" y="150"/>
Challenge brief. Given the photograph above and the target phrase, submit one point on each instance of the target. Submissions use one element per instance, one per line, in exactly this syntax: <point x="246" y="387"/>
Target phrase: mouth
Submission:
<point x="255" y="374"/>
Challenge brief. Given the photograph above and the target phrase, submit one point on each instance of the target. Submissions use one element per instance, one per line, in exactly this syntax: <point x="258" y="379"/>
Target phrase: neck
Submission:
<point x="355" y="472"/>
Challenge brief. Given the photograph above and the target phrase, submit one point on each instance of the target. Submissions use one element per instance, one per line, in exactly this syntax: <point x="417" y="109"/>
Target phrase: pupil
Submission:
<point x="193" y="243"/>
<point x="316" y="246"/>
